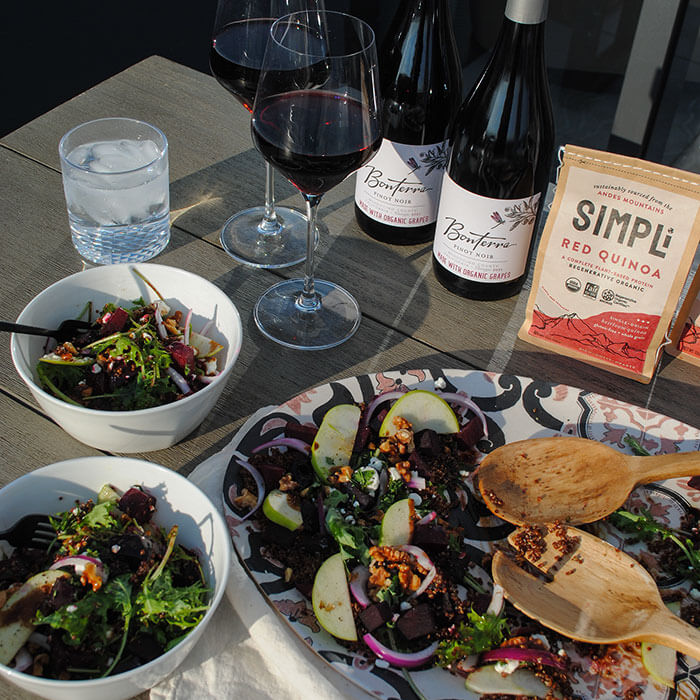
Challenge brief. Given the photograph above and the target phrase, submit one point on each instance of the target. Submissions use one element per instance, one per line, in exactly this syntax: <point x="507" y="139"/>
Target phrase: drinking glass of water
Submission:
<point x="116" y="183"/>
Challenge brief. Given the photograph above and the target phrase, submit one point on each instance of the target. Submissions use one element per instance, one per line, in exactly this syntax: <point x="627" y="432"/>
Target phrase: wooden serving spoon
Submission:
<point x="569" y="479"/>
<point x="597" y="594"/>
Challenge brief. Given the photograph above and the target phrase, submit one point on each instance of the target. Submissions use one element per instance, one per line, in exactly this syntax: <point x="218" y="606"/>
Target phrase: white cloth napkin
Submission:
<point x="248" y="651"/>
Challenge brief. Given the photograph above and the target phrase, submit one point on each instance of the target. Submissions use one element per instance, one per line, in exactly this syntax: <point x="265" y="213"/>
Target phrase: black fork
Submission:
<point x="30" y="531"/>
<point x="67" y="330"/>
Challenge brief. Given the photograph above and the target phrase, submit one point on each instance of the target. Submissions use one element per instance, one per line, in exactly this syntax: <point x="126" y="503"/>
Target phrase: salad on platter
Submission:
<point x="131" y="358"/>
<point x="112" y="591"/>
<point x="370" y="512"/>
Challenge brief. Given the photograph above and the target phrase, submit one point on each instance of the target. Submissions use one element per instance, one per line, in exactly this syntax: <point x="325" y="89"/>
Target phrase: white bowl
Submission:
<point x="145" y="429"/>
<point x="201" y="527"/>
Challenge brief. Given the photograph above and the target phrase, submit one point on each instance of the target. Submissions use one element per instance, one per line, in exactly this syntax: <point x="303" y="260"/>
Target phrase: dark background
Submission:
<point x="53" y="51"/>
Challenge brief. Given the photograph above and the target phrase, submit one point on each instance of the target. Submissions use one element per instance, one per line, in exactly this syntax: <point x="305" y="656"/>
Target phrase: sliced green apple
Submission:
<point x="332" y="446"/>
<point x="330" y="598"/>
<point x="277" y="508"/>
<point x="422" y="409"/>
<point x="397" y="524"/>
<point x="107" y="493"/>
<point x="660" y="663"/>
<point x="20" y="609"/>
<point x="487" y="680"/>
<point x="205" y="346"/>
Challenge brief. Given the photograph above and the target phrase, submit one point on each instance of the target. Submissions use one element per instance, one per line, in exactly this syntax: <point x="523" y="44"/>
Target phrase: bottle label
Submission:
<point x="400" y="186"/>
<point x="483" y="239"/>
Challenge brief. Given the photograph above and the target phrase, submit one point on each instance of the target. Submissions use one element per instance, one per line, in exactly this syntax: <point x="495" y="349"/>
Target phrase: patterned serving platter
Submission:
<point x="516" y="408"/>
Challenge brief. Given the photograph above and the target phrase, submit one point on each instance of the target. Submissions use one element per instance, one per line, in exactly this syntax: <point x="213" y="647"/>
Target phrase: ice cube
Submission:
<point x="114" y="156"/>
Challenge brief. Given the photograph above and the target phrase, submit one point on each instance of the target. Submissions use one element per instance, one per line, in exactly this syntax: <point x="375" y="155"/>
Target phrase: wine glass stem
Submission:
<point x="309" y="300"/>
<point x="269" y="223"/>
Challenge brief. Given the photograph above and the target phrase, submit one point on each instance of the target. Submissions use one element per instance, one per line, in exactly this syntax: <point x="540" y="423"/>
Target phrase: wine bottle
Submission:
<point x="396" y="194"/>
<point x="501" y="150"/>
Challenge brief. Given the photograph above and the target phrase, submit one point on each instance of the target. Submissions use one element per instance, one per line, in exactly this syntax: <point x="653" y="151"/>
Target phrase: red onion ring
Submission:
<point x="427" y="518"/>
<point x="358" y="585"/>
<point x="423" y="560"/>
<point x="497" y="601"/>
<point x="416" y="482"/>
<point x="159" y="321"/>
<point x="208" y="378"/>
<point x="293" y="443"/>
<point x="207" y="326"/>
<point x="537" y="656"/>
<point x="398" y="658"/>
<point x="188" y="327"/>
<point x="179" y="381"/>
<point x="259" y="483"/>
<point x="381" y="398"/>
<point x="465" y="401"/>
<point x="79" y="562"/>
<point x="23" y="660"/>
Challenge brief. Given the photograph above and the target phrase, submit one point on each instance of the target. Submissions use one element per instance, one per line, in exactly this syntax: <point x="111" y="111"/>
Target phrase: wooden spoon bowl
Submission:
<point x="568" y="479"/>
<point x="596" y="593"/>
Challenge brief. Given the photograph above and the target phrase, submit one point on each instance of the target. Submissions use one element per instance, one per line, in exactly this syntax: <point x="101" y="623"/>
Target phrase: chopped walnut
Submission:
<point x="247" y="499"/>
<point x="385" y="562"/>
<point x="340" y="475"/>
<point x="287" y="483"/>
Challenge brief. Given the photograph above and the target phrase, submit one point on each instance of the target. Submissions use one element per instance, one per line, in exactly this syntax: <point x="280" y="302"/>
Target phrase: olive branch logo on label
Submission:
<point x="523" y="213"/>
<point x="433" y="159"/>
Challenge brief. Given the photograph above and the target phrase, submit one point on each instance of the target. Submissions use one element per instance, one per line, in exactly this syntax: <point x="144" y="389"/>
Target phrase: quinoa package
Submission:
<point x="615" y="253"/>
<point x="685" y="337"/>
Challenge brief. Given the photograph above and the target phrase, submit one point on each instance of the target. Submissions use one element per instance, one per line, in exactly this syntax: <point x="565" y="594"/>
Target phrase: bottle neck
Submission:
<point x="526" y="11"/>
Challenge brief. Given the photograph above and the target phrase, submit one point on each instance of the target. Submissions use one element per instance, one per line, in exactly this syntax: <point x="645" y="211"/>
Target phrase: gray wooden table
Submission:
<point x="409" y="320"/>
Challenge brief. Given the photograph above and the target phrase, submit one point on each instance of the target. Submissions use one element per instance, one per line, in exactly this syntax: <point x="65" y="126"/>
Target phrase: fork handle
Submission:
<point x="21" y="328"/>
<point x="669" y="630"/>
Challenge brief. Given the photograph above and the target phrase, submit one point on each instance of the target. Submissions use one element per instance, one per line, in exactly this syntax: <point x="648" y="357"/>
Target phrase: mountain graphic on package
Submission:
<point x="617" y="337"/>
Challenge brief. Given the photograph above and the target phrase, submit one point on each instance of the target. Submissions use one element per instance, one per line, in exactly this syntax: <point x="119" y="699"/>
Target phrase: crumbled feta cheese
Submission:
<point x="115" y="548"/>
<point x="506" y="667"/>
<point x="370" y="478"/>
<point x="405" y="605"/>
<point x="394" y="474"/>
<point x="96" y="369"/>
<point x="415" y="497"/>
<point x="71" y="608"/>
<point x="440" y="383"/>
<point x="376" y="464"/>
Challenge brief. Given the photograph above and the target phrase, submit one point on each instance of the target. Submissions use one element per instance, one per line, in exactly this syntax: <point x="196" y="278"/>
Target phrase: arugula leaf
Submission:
<point x="159" y="602"/>
<point x="101" y="516"/>
<point x="391" y="594"/>
<point x="481" y="633"/>
<point x="395" y="491"/>
<point x="119" y="590"/>
<point x="636" y="446"/>
<point x="646" y="528"/>
<point x="350" y="538"/>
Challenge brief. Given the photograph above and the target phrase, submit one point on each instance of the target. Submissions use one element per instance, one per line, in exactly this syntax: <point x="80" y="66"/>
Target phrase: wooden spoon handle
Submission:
<point x="667" y="466"/>
<point x="671" y="631"/>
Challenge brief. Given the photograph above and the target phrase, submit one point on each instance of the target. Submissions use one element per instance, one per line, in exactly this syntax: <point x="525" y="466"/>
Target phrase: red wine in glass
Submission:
<point x="236" y="56"/>
<point x="316" y="118"/>
<point x="268" y="236"/>
<point x="313" y="159"/>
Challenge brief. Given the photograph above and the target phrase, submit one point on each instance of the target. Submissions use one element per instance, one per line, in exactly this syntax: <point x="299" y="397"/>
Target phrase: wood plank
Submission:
<point x="216" y="171"/>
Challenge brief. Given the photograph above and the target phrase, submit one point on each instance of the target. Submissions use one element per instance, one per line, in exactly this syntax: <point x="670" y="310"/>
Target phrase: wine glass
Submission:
<point x="266" y="236"/>
<point x="316" y="119"/>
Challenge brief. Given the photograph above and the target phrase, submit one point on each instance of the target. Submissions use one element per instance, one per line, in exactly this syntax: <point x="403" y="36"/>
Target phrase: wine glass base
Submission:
<point x="279" y="315"/>
<point x="246" y="239"/>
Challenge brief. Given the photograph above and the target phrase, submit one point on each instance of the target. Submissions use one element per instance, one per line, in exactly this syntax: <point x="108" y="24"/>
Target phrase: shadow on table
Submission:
<point x="202" y="201"/>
